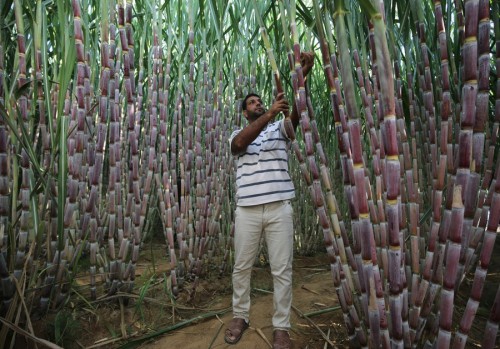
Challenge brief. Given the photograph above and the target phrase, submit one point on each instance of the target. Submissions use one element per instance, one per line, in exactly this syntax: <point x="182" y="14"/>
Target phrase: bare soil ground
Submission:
<point x="153" y="320"/>
<point x="312" y="291"/>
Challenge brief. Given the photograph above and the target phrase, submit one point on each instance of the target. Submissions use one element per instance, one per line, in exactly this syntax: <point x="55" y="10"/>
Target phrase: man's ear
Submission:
<point x="245" y="114"/>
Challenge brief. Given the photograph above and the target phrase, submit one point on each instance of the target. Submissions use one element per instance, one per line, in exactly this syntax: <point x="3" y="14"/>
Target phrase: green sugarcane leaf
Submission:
<point x="23" y="138"/>
<point x="47" y="84"/>
<point x="234" y="23"/>
<point x="215" y="17"/>
<point x="23" y="90"/>
<point x="64" y="78"/>
<point x="26" y="141"/>
<point x="304" y="13"/>
<point x="61" y="181"/>
<point x="34" y="209"/>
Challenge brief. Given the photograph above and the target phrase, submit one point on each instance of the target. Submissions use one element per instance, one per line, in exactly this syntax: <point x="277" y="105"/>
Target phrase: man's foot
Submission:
<point x="281" y="340"/>
<point x="235" y="330"/>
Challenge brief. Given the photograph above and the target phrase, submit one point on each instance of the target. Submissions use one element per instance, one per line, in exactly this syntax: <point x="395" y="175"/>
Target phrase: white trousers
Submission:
<point x="275" y="221"/>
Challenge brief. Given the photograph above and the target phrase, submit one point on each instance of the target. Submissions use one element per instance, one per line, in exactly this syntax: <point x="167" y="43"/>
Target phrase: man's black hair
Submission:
<point x="244" y="103"/>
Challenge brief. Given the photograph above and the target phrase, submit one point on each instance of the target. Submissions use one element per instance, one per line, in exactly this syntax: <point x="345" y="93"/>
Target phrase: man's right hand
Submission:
<point x="280" y="105"/>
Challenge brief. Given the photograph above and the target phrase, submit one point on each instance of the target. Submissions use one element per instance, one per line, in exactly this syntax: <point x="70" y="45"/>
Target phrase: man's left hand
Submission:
<point x="307" y="62"/>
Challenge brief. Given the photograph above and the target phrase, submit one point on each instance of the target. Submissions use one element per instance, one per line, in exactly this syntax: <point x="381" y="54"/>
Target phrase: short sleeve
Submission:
<point x="235" y="132"/>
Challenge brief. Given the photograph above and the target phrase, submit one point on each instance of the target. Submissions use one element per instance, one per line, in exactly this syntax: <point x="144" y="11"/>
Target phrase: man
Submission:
<point x="264" y="191"/>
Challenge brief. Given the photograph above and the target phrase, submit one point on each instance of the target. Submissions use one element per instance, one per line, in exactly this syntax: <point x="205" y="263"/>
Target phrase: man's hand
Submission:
<point x="280" y="105"/>
<point x="307" y="62"/>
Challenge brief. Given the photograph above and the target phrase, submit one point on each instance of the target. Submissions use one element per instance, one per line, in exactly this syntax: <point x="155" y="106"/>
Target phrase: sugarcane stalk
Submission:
<point x="198" y="217"/>
<point x="147" y="129"/>
<point x="164" y="184"/>
<point x="43" y="128"/>
<point x="20" y="236"/>
<point x="496" y="122"/>
<point x="363" y="237"/>
<point x="4" y="157"/>
<point x="96" y="170"/>
<point x="449" y="278"/>
<point x="114" y="196"/>
<point x="490" y="333"/>
<point x="2" y="71"/>
<point x="22" y="230"/>
<point x="396" y="274"/>
<point x="215" y="194"/>
<point x="482" y="136"/>
<point x="483" y="73"/>
<point x="340" y="118"/>
<point x="147" y="119"/>
<point x="5" y="173"/>
<point x="134" y="122"/>
<point x="331" y="71"/>
<point x="311" y="137"/>
<point x="375" y="200"/>
<point x="177" y="170"/>
<point x="129" y="245"/>
<point x="418" y="287"/>
<point x="423" y="283"/>
<point x="460" y="339"/>
<point x="444" y="140"/>
<point x="405" y="159"/>
<point x="460" y="18"/>
<point x="471" y="144"/>
<point x="86" y="155"/>
<point x="201" y="169"/>
<point x="45" y="132"/>
<point x="351" y="316"/>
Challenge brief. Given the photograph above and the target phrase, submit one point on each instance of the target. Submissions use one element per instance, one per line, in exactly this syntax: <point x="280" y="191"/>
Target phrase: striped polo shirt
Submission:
<point x="262" y="170"/>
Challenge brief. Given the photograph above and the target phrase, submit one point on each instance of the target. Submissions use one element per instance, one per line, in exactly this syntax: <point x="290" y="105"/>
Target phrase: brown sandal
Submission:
<point x="235" y="330"/>
<point x="281" y="340"/>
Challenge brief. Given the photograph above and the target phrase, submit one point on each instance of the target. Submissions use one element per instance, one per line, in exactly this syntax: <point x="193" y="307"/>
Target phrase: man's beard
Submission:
<point x="258" y="113"/>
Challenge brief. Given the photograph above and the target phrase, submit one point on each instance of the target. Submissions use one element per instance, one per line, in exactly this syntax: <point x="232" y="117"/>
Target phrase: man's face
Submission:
<point x="255" y="108"/>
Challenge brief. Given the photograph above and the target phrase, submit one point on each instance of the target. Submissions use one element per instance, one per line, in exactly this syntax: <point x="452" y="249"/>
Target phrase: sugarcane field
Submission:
<point x="249" y="174"/>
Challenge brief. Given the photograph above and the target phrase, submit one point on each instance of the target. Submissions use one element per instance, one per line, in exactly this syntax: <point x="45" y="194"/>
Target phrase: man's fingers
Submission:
<point x="280" y="104"/>
<point x="306" y="57"/>
<point x="280" y="99"/>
